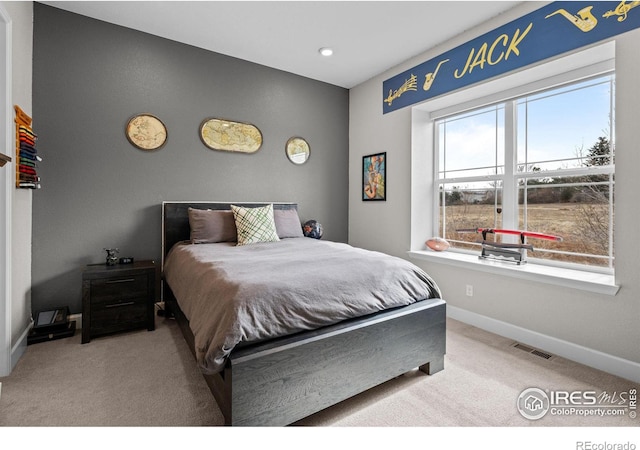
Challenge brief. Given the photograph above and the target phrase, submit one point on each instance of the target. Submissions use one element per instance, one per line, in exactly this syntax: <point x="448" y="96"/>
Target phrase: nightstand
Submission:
<point x="117" y="298"/>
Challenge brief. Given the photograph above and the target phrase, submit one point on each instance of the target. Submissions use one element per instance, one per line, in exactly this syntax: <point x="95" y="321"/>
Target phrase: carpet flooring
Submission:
<point x="149" y="379"/>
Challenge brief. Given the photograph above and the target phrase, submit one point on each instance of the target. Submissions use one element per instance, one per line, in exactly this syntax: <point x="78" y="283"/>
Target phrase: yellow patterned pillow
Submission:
<point x="255" y="224"/>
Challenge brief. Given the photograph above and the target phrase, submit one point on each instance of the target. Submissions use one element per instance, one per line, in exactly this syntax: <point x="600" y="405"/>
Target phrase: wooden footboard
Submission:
<point x="284" y="380"/>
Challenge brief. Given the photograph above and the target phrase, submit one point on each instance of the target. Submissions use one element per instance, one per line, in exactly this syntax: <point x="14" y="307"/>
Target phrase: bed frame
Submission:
<point x="281" y="381"/>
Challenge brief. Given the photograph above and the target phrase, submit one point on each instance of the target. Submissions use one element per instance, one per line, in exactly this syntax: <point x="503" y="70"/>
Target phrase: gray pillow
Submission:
<point x="287" y="223"/>
<point x="210" y="226"/>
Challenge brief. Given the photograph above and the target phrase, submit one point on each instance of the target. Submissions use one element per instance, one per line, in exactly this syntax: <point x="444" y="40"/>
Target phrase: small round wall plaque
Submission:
<point x="297" y="150"/>
<point x="146" y="132"/>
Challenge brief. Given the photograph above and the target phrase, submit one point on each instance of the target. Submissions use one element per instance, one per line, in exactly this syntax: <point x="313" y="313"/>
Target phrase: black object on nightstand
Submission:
<point x="117" y="298"/>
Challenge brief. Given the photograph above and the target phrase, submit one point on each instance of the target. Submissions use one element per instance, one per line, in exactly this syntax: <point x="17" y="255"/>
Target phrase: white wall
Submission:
<point x="21" y="14"/>
<point x="600" y="323"/>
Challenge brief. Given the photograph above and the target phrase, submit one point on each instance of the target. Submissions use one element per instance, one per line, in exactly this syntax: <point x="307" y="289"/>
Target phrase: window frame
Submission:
<point x="510" y="174"/>
<point x="574" y="65"/>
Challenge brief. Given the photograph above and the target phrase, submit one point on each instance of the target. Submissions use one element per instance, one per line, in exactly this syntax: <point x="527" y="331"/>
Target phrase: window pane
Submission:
<point x="474" y="205"/>
<point x="472" y="144"/>
<point x="557" y="128"/>
<point x="575" y="208"/>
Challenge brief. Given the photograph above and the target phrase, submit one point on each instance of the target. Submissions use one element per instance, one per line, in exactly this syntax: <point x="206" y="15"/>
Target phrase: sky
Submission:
<point x="555" y="127"/>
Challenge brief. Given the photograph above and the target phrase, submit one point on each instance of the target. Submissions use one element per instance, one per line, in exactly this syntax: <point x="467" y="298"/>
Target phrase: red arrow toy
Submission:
<point x="521" y="233"/>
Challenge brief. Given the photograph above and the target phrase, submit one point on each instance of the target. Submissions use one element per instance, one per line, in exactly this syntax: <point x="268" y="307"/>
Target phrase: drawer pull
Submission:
<point x="128" y="280"/>
<point x="119" y="304"/>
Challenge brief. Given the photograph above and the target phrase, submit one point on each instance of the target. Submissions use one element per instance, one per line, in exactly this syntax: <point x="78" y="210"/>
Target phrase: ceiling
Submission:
<point x="368" y="37"/>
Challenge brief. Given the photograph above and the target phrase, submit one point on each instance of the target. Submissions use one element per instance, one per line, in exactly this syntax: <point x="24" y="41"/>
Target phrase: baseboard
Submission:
<point x="77" y="318"/>
<point x="19" y="348"/>
<point x="593" y="358"/>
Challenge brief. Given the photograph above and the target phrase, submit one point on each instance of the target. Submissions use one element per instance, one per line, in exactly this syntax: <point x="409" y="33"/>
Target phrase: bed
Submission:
<point x="278" y="374"/>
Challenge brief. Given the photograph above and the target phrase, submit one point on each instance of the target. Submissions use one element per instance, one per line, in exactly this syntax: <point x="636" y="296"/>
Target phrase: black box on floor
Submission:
<point x="36" y="336"/>
<point x="49" y="320"/>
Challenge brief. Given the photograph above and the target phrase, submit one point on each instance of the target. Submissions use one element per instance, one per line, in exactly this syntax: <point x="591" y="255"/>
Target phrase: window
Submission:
<point x="541" y="162"/>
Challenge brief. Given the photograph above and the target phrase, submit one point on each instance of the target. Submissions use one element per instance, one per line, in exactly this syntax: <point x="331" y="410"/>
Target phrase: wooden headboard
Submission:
<point x="175" y="218"/>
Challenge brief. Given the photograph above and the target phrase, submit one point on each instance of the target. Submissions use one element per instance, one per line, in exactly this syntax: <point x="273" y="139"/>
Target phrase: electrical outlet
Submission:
<point x="469" y="290"/>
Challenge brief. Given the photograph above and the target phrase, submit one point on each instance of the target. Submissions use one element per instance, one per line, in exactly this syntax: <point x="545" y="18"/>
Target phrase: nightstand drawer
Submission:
<point x="125" y="316"/>
<point x="111" y="290"/>
<point x="118" y="302"/>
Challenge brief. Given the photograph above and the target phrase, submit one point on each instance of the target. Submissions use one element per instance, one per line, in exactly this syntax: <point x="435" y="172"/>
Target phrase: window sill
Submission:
<point x="571" y="278"/>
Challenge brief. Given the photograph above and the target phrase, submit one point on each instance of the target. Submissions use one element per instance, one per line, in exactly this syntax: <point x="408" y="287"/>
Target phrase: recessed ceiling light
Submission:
<point x="326" y="51"/>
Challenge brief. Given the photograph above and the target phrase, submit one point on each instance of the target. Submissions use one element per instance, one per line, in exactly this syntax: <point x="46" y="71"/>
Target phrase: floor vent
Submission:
<point x="531" y="350"/>
<point x="542" y="354"/>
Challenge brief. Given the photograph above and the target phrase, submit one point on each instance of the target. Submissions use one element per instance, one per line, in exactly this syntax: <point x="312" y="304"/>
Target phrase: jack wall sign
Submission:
<point x="554" y="29"/>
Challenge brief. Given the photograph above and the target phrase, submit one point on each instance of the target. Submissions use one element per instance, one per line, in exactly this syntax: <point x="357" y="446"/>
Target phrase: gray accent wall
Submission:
<point x="91" y="77"/>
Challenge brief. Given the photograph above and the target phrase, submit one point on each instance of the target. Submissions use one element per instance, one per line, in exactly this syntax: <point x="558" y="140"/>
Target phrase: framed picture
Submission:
<point x="297" y="150"/>
<point x="374" y="177"/>
<point x="146" y="132"/>
<point x="230" y="136"/>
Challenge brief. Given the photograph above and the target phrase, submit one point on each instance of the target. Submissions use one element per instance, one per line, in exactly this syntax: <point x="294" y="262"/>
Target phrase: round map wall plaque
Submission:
<point x="146" y="132"/>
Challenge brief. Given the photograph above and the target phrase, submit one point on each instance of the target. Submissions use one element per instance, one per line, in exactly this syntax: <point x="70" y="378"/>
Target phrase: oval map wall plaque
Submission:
<point x="230" y="136"/>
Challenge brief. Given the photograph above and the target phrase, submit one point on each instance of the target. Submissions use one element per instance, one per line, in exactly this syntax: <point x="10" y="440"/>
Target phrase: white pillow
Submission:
<point x="255" y="224"/>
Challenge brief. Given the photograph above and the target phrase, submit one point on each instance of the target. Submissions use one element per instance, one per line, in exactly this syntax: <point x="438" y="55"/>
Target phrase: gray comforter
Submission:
<point x="249" y="293"/>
